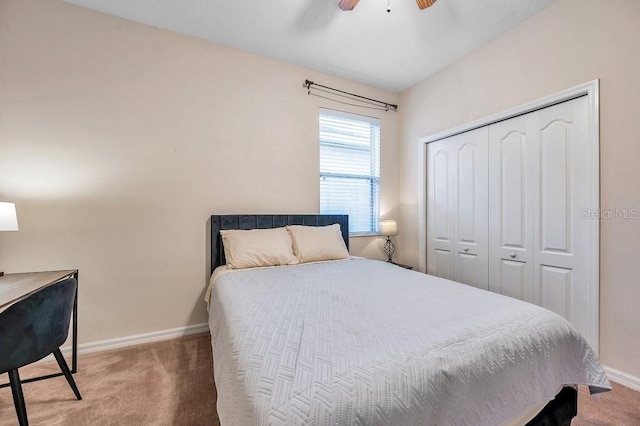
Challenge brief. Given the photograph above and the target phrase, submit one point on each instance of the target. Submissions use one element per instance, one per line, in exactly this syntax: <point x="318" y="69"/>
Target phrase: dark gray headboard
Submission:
<point x="266" y="221"/>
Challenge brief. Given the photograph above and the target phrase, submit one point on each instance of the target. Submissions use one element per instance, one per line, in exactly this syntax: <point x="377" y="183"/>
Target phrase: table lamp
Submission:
<point x="8" y="219"/>
<point x="389" y="228"/>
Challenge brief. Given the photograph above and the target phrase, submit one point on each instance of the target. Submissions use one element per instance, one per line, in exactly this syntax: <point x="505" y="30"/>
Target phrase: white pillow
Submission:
<point x="315" y="243"/>
<point x="257" y="247"/>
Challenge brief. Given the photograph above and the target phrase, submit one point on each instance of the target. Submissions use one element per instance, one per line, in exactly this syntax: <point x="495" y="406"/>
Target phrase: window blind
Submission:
<point x="350" y="169"/>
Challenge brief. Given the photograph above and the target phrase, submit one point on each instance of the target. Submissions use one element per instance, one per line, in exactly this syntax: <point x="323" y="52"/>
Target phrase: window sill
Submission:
<point x="365" y="235"/>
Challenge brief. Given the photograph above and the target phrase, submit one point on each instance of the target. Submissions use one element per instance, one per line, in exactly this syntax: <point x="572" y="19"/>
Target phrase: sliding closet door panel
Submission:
<point x="562" y="273"/>
<point x="457" y="208"/>
<point x="440" y="208"/>
<point x="511" y="169"/>
<point x="471" y="243"/>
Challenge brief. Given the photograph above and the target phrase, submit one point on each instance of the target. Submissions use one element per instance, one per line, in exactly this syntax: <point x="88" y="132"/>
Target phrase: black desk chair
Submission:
<point x="33" y="328"/>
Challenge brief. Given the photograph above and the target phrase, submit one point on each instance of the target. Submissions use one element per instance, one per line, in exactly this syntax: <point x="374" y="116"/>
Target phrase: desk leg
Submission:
<point x="74" y="344"/>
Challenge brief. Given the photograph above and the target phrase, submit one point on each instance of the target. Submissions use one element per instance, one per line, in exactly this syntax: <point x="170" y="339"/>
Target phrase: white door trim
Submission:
<point x="589" y="89"/>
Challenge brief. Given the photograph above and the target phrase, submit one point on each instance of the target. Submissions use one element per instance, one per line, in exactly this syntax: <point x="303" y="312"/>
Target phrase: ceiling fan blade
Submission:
<point x="423" y="4"/>
<point x="347" y="4"/>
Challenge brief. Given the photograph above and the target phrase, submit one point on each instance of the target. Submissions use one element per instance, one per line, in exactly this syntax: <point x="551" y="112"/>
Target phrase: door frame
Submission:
<point x="590" y="89"/>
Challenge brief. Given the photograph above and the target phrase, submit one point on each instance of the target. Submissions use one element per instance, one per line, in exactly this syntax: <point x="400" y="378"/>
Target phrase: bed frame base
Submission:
<point x="559" y="411"/>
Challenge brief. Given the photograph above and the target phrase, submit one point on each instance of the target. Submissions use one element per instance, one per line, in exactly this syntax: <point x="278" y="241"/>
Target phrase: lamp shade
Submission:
<point x="388" y="227"/>
<point x="8" y="217"/>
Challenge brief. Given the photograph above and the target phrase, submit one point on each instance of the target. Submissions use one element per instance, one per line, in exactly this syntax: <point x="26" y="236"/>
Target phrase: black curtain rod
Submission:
<point x="309" y="83"/>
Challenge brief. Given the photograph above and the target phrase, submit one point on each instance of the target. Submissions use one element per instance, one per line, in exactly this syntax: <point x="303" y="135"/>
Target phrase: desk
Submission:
<point x="15" y="287"/>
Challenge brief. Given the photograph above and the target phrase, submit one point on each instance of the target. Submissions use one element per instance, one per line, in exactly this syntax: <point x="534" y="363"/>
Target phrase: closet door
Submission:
<point x="508" y="210"/>
<point x="512" y="162"/>
<point x="441" y="196"/>
<point x="471" y="209"/>
<point x="457" y="212"/>
<point x="539" y="183"/>
<point x="563" y="235"/>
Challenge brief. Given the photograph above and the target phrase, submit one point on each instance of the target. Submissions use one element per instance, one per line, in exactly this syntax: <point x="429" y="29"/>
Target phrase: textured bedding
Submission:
<point x="366" y="342"/>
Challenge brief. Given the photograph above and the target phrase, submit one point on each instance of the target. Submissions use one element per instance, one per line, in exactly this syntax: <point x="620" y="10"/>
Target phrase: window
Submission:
<point x="350" y="169"/>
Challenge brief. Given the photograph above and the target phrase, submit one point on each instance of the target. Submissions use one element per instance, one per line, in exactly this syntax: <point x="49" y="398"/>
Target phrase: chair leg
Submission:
<point x="65" y="369"/>
<point x="18" y="397"/>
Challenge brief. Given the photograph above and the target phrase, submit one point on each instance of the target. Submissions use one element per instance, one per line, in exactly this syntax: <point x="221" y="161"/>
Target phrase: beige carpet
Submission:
<point x="165" y="383"/>
<point x="170" y="383"/>
<point x="620" y="407"/>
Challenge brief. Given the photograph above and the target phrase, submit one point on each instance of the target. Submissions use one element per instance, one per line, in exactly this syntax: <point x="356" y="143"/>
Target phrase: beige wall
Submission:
<point x="571" y="42"/>
<point x="118" y="140"/>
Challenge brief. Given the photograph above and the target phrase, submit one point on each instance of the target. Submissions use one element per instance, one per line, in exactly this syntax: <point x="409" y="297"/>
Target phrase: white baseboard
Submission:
<point x="137" y="339"/>
<point x="623" y="379"/>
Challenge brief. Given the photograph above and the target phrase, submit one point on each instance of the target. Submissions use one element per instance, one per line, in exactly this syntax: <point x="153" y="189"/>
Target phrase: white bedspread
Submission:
<point x="366" y="342"/>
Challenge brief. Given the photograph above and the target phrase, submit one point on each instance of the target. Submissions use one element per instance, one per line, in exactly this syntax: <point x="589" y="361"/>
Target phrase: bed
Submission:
<point x="358" y="341"/>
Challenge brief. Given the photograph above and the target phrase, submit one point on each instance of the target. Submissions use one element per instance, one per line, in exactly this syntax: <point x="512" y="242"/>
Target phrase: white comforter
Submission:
<point x="366" y="342"/>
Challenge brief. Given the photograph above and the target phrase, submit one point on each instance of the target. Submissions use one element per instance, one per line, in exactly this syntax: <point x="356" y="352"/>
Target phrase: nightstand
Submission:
<point x="402" y="266"/>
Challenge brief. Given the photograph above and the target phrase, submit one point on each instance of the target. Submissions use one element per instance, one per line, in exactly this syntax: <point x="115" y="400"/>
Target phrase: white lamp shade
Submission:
<point x="388" y="227"/>
<point x="8" y="217"/>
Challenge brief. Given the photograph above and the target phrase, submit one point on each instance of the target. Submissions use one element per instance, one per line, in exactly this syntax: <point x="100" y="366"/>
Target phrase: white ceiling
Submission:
<point x="390" y="50"/>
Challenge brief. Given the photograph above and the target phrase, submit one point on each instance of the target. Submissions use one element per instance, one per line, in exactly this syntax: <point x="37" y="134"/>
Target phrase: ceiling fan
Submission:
<point x="350" y="4"/>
